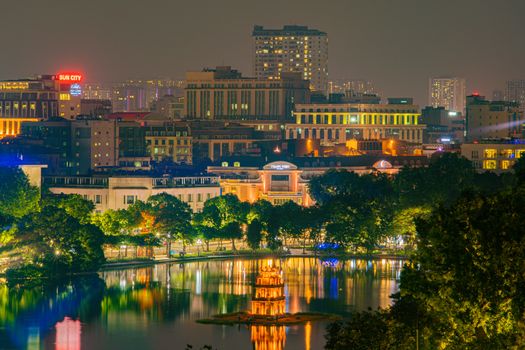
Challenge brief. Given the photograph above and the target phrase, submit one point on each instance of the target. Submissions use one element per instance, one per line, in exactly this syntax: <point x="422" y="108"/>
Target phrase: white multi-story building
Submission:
<point x="119" y="192"/>
<point x="447" y="92"/>
<point x="292" y="49"/>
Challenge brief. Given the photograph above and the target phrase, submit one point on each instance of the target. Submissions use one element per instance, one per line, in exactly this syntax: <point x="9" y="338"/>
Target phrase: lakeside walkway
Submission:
<point x="245" y="255"/>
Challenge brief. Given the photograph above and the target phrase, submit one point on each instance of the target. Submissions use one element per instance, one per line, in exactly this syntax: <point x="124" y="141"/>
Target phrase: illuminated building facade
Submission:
<point x="223" y="93"/>
<point x="339" y="122"/>
<point x="41" y="98"/>
<point x="491" y="156"/>
<point x="26" y="100"/>
<point x="118" y="192"/>
<point x="447" y="92"/>
<point x="170" y="141"/>
<point x="492" y="119"/>
<point x="281" y="181"/>
<point x="292" y="49"/>
<point x="69" y="94"/>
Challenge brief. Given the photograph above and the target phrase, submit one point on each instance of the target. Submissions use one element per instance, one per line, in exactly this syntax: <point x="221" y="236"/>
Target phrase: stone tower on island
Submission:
<point x="269" y="299"/>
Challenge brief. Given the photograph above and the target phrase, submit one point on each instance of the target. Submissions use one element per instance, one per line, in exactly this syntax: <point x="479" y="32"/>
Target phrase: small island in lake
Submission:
<point x="268" y="305"/>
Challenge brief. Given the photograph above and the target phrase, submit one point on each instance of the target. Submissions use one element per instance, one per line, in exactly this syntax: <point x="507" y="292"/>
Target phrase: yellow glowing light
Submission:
<point x="14" y="85"/>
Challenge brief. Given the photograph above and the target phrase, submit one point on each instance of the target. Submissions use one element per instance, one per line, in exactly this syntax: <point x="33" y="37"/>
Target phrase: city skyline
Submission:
<point x="397" y="58"/>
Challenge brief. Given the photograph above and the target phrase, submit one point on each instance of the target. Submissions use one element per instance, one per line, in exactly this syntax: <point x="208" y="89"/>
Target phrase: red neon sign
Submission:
<point x="70" y="77"/>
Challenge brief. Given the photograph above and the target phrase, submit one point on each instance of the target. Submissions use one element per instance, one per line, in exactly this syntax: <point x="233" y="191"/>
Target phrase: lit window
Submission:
<point x="507" y="153"/>
<point x="506" y="164"/>
<point x="519" y="153"/>
<point x="490" y="153"/>
<point x="489" y="164"/>
<point x="65" y="97"/>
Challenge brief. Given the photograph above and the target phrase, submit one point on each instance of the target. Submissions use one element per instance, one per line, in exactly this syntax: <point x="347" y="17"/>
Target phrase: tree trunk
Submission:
<point x="207" y="245"/>
<point x="233" y="244"/>
<point x="183" y="246"/>
<point x="126" y="252"/>
<point x="168" y="248"/>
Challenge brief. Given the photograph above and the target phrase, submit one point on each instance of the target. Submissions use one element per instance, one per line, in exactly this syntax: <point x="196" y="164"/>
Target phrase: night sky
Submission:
<point x="397" y="44"/>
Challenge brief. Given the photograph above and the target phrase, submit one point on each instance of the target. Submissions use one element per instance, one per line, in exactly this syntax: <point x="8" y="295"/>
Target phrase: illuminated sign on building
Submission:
<point x="69" y="77"/>
<point x="75" y="90"/>
<point x="280" y="166"/>
<point x="14" y="85"/>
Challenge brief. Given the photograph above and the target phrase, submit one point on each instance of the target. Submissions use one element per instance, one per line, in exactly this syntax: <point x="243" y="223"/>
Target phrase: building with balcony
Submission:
<point x="118" y="192"/>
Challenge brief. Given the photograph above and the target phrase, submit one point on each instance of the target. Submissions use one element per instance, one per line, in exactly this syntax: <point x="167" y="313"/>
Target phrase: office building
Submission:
<point x="169" y="141"/>
<point x="515" y="92"/>
<point x="494" y="156"/>
<point x="334" y="123"/>
<point x="492" y="119"/>
<point x="223" y="93"/>
<point x="442" y="126"/>
<point x="447" y="92"/>
<point x="292" y="49"/>
<point x="39" y="98"/>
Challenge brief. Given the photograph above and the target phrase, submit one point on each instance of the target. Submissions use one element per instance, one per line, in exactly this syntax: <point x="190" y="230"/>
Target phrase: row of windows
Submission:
<point x="350" y="109"/>
<point x="334" y="134"/>
<point x="188" y="198"/>
<point x="358" y="119"/>
<point x="493" y="153"/>
<point x="493" y="164"/>
<point x="171" y="142"/>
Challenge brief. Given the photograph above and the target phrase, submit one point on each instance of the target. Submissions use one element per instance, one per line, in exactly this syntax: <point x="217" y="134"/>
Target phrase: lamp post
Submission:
<point x="199" y="242"/>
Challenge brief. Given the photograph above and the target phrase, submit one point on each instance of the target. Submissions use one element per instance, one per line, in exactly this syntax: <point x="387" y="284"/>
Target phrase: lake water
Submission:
<point x="156" y="307"/>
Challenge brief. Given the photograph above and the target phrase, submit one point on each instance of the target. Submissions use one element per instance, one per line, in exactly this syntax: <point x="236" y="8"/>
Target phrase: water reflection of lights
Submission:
<point x="68" y="335"/>
<point x="331" y="262"/>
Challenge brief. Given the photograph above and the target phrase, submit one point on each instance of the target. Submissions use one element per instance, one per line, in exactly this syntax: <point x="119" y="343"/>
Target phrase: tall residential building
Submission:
<point x="447" y="92"/>
<point x="223" y="93"/>
<point x="515" y="92"/>
<point x="292" y="49"/>
<point x="492" y="119"/>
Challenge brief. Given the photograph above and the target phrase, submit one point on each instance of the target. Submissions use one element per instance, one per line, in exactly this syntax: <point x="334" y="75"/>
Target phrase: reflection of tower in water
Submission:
<point x="268" y="300"/>
<point x="268" y="337"/>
